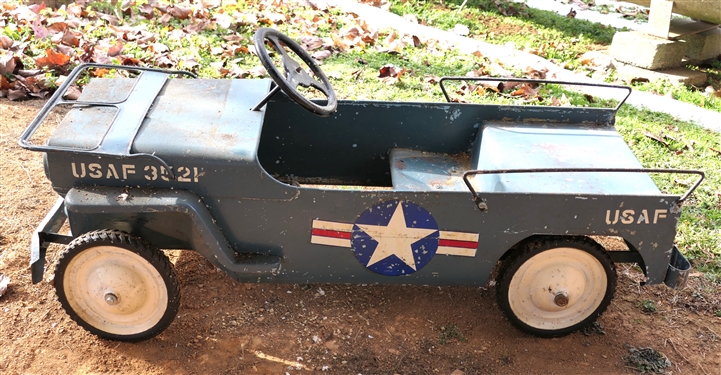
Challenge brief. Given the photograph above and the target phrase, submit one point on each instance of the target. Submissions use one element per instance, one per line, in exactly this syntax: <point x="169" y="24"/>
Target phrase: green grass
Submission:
<point x="547" y="34"/>
<point x="559" y="39"/>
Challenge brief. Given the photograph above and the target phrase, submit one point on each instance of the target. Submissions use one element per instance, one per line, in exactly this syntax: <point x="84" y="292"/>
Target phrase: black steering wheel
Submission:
<point x="294" y="74"/>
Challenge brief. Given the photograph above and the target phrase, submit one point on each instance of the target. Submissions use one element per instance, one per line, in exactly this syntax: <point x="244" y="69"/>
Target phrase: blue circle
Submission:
<point x="364" y="245"/>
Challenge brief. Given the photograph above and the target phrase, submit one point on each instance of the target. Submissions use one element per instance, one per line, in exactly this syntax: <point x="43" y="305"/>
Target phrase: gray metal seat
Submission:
<point x="413" y="170"/>
<point x="503" y="146"/>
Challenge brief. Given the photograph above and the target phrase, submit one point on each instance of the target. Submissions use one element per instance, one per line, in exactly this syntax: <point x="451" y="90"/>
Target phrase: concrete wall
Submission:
<point x="704" y="10"/>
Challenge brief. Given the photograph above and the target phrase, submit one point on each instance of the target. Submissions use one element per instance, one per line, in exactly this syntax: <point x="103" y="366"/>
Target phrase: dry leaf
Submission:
<point x="258" y="71"/>
<point x="17" y="94"/>
<point x="654" y="137"/>
<point x="5" y="42"/>
<point x="310" y="43"/>
<point x="4" y="83"/>
<point x="52" y="60"/>
<point x="321" y="55"/>
<point x="70" y="39"/>
<point x="116" y="49"/>
<point x="431" y="79"/>
<point x="525" y="90"/>
<point x="181" y="13"/>
<point x="8" y="63"/>
<point x="73" y="93"/>
<point x="390" y="74"/>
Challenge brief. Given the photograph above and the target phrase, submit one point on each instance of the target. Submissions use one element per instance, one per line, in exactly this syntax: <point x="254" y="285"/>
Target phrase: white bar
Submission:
<point x="458" y="236"/>
<point x="459" y="251"/>
<point x="330" y="225"/>
<point x="320" y="240"/>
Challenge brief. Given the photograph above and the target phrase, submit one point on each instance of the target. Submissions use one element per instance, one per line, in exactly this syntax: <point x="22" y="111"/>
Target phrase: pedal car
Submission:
<point x="278" y="188"/>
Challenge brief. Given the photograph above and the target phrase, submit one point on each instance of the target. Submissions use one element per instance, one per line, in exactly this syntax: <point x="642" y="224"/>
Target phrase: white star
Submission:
<point x="395" y="238"/>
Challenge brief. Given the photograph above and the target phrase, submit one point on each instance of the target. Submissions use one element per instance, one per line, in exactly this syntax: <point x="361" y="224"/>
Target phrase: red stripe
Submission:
<point x="457" y="243"/>
<point x="330" y="233"/>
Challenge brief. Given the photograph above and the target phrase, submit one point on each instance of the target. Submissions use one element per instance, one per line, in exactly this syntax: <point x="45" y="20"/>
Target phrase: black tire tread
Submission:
<point x="132" y="243"/>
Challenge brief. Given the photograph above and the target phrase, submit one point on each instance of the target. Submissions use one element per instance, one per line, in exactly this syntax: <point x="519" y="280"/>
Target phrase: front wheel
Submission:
<point x="117" y="286"/>
<point x="554" y="287"/>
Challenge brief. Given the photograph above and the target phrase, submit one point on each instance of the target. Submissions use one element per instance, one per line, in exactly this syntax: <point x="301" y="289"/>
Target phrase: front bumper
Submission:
<point x="678" y="270"/>
<point x="45" y="235"/>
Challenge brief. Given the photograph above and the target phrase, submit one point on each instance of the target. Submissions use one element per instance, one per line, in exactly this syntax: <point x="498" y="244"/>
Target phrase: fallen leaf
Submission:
<point x="116" y="49"/>
<point x="654" y="137"/>
<point x="4" y="83"/>
<point x="321" y="55"/>
<point x="357" y="74"/>
<point x="130" y="61"/>
<point x="431" y="79"/>
<point x="100" y="72"/>
<point x="180" y="13"/>
<point x="36" y="8"/>
<point x="8" y="63"/>
<point x="159" y="48"/>
<point x="310" y="43"/>
<point x="525" y="90"/>
<point x="536" y="74"/>
<point x="390" y="74"/>
<point x="17" y="94"/>
<point x="72" y="93"/>
<point x="258" y="71"/>
<point x="39" y="30"/>
<point x="52" y="60"/>
<point x="416" y="41"/>
<point x="5" y="42"/>
<point x="70" y="39"/>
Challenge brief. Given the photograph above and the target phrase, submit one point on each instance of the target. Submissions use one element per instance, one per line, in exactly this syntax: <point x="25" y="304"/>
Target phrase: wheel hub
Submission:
<point x="561" y="299"/>
<point x="111" y="299"/>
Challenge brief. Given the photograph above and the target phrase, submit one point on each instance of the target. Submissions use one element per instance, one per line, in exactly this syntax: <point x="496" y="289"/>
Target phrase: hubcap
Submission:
<point x="115" y="290"/>
<point x="557" y="288"/>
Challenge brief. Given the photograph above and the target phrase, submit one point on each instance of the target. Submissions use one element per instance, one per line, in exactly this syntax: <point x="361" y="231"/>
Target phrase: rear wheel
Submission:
<point x="554" y="287"/>
<point x="117" y="286"/>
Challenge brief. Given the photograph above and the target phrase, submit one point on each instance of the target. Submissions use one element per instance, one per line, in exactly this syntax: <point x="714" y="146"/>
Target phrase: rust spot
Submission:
<point x="400" y="164"/>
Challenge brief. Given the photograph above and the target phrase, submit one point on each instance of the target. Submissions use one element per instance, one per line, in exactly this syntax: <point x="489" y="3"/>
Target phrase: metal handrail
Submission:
<point x="481" y="202"/>
<point x="57" y="99"/>
<point x="527" y="80"/>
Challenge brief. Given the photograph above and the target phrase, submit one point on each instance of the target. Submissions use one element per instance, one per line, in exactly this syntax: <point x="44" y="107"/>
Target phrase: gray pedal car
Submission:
<point x="273" y="187"/>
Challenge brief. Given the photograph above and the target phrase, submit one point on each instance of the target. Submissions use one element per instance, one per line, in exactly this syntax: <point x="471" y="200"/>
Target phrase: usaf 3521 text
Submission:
<point x="124" y="171"/>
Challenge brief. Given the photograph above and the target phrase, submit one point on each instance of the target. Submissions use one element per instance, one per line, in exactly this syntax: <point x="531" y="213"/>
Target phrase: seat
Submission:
<point x="414" y="170"/>
<point x="522" y="146"/>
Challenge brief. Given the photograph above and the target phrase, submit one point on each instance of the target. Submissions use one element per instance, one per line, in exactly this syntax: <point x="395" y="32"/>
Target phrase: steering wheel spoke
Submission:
<point x="318" y="86"/>
<point x="293" y="73"/>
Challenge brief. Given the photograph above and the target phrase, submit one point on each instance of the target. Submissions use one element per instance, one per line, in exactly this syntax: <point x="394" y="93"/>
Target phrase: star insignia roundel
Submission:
<point x="394" y="238"/>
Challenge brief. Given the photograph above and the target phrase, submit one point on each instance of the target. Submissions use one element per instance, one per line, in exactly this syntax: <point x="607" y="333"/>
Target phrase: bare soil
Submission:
<point x="226" y="327"/>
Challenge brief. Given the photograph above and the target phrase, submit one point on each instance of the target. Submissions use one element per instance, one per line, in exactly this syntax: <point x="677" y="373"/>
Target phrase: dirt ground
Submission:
<point x="225" y="327"/>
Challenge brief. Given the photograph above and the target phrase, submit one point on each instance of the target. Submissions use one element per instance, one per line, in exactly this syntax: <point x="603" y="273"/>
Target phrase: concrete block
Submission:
<point x="685" y="76"/>
<point x="646" y="51"/>
<point x="703" y="46"/>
